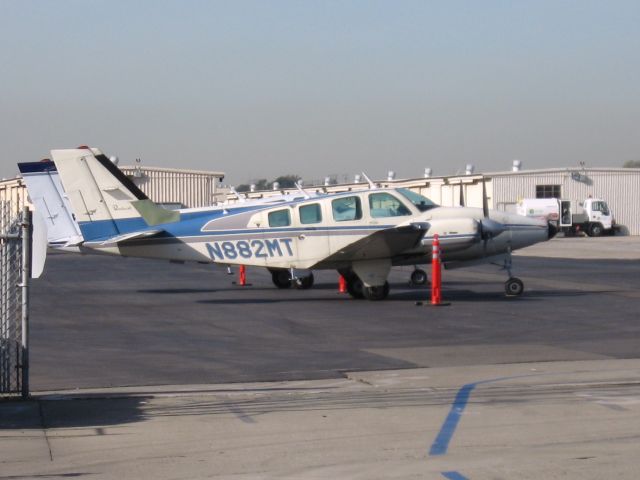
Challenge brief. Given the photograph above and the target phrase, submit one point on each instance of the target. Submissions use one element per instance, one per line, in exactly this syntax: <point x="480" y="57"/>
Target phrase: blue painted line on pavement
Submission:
<point x="441" y="443"/>
<point x="454" y="476"/>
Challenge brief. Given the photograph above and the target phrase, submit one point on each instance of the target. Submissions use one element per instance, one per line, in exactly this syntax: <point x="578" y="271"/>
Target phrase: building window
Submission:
<point x="548" y="191"/>
<point x="279" y="218"/>
<point x="310" y="213"/>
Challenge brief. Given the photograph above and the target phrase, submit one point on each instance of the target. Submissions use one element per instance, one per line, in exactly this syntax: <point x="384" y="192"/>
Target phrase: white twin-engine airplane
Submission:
<point x="361" y="234"/>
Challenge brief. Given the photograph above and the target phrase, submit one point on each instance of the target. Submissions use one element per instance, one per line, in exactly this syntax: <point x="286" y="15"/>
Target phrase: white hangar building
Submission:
<point x="619" y="187"/>
<point x="171" y="187"/>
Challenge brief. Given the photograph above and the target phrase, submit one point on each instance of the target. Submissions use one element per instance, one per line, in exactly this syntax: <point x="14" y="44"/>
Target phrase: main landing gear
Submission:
<point x="283" y="278"/>
<point x="419" y="277"/>
<point x="358" y="290"/>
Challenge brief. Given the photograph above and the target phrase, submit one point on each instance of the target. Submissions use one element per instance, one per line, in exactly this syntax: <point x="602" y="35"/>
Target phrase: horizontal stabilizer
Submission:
<point x="126" y="238"/>
<point x="154" y="214"/>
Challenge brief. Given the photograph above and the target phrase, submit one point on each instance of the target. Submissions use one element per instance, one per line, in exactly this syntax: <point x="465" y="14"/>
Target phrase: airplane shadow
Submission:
<point x="71" y="412"/>
<point x="416" y="295"/>
<point x="179" y="290"/>
<point x="102" y="411"/>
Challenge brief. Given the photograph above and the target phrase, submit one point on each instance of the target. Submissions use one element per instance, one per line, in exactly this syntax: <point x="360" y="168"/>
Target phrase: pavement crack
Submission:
<point x="44" y="429"/>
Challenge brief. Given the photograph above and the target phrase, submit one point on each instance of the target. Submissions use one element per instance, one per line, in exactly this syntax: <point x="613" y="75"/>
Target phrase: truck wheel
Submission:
<point x="595" y="230"/>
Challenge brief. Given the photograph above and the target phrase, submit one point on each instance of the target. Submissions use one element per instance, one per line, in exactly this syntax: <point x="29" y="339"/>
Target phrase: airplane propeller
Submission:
<point x="488" y="228"/>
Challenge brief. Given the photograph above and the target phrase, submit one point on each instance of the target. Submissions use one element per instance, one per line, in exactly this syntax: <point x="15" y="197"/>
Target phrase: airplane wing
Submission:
<point x="387" y="243"/>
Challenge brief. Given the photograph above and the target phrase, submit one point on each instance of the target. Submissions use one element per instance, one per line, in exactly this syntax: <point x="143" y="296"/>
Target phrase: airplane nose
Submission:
<point x="553" y="230"/>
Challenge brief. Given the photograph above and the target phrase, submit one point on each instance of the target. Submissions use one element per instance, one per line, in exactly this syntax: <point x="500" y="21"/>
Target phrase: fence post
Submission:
<point x="26" y="276"/>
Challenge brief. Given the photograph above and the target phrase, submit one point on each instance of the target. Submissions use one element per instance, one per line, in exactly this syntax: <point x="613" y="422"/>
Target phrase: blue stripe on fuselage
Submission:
<point x="189" y="225"/>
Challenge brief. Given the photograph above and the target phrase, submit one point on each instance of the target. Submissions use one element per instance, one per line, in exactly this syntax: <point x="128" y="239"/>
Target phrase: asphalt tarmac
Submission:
<point x="145" y="369"/>
<point x="101" y="321"/>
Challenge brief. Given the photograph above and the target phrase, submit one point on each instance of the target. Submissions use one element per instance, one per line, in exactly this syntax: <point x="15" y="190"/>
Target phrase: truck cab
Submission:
<point x="598" y="216"/>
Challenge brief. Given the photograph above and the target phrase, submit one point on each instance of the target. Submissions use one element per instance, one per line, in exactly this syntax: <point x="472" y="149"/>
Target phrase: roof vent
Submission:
<point x="427" y="172"/>
<point x="469" y="169"/>
<point x="391" y="175"/>
<point x="517" y="165"/>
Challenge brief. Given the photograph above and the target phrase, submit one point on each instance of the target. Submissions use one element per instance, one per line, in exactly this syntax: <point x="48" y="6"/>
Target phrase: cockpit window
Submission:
<point x="386" y="205"/>
<point x="422" y="203"/>
<point x="346" y="208"/>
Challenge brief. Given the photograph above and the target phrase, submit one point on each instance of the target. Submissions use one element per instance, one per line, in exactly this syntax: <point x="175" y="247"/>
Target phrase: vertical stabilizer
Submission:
<point x="105" y="202"/>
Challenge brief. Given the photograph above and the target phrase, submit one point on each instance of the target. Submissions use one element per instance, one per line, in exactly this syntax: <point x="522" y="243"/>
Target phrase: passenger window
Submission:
<point x="310" y="213"/>
<point x="385" y="205"/>
<point x="279" y="218"/>
<point x="347" y="208"/>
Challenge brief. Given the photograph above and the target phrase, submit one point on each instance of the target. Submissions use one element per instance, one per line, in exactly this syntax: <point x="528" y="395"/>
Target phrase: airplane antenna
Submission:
<point x="371" y="184"/>
<point x="235" y="192"/>
<point x="303" y="191"/>
<point x="485" y="201"/>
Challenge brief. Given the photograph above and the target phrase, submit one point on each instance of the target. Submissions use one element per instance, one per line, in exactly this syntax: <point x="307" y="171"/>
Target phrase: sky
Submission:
<point x="259" y="89"/>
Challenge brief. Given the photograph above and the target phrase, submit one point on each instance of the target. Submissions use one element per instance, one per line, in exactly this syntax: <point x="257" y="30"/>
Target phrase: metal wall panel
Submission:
<point x="619" y="187"/>
<point x="187" y="187"/>
<point x="14" y="192"/>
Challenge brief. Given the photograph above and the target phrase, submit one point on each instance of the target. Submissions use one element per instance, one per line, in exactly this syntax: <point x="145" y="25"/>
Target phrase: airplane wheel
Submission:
<point x="513" y="287"/>
<point x="355" y="287"/>
<point x="419" y="277"/>
<point x="281" y="278"/>
<point x="377" y="293"/>
<point x="304" y="283"/>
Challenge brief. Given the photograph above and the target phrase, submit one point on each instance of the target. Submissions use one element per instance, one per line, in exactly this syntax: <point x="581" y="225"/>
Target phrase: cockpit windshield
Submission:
<point x="422" y="203"/>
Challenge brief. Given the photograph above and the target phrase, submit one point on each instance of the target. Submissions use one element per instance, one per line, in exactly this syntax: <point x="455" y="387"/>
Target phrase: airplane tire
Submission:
<point x="513" y="287"/>
<point x="377" y="293"/>
<point x="419" y="277"/>
<point x="281" y="278"/>
<point x="304" y="283"/>
<point x="355" y="287"/>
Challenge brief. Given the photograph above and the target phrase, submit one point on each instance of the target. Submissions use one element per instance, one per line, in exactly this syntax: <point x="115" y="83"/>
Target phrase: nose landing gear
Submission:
<point x="513" y="287"/>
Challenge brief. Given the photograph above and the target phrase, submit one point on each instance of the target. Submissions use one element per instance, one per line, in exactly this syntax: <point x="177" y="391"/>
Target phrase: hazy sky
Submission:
<point x="263" y="88"/>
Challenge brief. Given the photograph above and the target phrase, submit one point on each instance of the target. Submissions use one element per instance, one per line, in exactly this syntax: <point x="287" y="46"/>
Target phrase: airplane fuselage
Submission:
<point x="311" y="233"/>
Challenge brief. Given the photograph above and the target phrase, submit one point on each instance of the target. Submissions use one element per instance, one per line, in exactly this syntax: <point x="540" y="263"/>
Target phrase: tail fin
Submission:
<point x="104" y="201"/>
<point x="46" y="193"/>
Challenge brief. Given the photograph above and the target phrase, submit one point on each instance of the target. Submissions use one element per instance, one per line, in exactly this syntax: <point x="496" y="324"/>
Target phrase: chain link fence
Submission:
<point x="15" y="256"/>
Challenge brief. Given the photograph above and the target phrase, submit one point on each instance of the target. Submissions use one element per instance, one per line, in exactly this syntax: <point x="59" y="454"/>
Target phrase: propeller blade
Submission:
<point x="485" y="201"/>
<point x="490" y="228"/>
